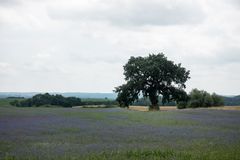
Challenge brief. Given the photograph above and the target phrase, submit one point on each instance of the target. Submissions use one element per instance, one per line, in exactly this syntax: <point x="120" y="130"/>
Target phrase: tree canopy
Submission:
<point x="151" y="77"/>
<point x="200" y="98"/>
<point x="47" y="99"/>
<point x="59" y="100"/>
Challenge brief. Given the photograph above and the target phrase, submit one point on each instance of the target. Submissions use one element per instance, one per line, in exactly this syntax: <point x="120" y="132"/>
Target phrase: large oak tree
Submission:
<point x="152" y="76"/>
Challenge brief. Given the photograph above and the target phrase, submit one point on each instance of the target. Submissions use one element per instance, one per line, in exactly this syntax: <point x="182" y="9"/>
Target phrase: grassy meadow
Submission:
<point x="116" y="134"/>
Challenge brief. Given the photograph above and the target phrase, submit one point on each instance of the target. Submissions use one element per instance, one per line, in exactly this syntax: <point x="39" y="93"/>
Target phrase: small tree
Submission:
<point x="151" y="77"/>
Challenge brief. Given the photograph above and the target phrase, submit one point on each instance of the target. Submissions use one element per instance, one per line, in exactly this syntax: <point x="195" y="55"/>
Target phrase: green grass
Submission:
<point x="4" y="102"/>
<point x="87" y="115"/>
<point x="210" y="154"/>
<point x="157" y="118"/>
<point x="197" y="153"/>
<point x="133" y="117"/>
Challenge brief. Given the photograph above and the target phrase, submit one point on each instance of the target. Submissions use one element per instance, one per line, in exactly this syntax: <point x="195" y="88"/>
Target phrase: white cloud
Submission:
<point x="4" y="65"/>
<point x="61" y="45"/>
<point x="134" y="13"/>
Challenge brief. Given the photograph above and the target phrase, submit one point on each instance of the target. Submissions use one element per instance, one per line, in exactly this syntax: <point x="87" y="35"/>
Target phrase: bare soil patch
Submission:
<point x="146" y="108"/>
<point x="231" y="108"/>
<point x="139" y="108"/>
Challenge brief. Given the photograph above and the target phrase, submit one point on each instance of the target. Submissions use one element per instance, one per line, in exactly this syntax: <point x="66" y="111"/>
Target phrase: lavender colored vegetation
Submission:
<point x="50" y="133"/>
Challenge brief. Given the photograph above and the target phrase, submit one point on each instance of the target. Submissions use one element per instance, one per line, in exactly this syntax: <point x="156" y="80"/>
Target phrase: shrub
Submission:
<point x="182" y="104"/>
<point x="200" y="98"/>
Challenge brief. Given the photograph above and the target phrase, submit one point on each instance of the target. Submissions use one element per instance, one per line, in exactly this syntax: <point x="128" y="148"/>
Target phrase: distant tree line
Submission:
<point x="200" y="98"/>
<point x="13" y="97"/>
<point x="107" y="102"/>
<point x="47" y="99"/>
<point x="196" y="98"/>
<point x="59" y="100"/>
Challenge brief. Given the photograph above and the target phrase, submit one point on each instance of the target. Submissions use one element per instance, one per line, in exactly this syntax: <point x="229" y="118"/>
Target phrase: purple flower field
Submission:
<point x="47" y="133"/>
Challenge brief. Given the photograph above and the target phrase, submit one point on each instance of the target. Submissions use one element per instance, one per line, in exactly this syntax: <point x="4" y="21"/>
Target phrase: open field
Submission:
<point x="115" y="133"/>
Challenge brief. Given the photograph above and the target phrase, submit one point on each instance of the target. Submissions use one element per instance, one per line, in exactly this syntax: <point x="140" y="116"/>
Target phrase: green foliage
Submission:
<point x="58" y="100"/>
<point x="7" y="102"/>
<point x="217" y="100"/>
<point x="14" y="103"/>
<point x="217" y="153"/>
<point x="182" y="104"/>
<point x="200" y="98"/>
<point x="127" y="94"/>
<point x="47" y="99"/>
<point x="152" y="76"/>
<point x="99" y="101"/>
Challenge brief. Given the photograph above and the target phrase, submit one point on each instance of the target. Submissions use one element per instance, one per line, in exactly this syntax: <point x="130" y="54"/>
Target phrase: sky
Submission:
<point x="81" y="46"/>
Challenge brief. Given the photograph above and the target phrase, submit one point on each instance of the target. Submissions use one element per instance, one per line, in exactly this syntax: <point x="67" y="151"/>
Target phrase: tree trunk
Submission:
<point x="154" y="107"/>
<point x="154" y="100"/>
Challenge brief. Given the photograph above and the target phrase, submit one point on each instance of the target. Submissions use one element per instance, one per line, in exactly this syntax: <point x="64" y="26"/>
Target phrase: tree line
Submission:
<point x="47" y="99"/>
<point x="59" y="100"/>
<point x="196" y="98"/>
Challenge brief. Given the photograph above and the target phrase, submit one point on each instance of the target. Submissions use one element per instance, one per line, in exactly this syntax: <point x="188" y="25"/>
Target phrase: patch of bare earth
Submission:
<point x="146" y="108"/>
<point x="227" y="108"/>
<point x="139" y="108"/>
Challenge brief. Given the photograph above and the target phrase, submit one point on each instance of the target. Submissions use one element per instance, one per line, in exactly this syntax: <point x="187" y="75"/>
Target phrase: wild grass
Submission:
<point x="5" y="102"/>
<point x="212" y="153"/>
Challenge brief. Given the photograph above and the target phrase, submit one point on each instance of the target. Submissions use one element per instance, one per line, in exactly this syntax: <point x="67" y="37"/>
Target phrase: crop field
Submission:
<point x="116" y="133"/>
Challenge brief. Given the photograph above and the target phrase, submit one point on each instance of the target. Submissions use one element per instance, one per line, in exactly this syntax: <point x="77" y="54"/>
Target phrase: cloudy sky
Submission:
<point x="81" y="46"/>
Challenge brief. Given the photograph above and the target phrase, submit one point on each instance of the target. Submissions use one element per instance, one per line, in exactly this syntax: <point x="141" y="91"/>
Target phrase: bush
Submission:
<point x="200" y="98"/>
<point x="182" y="104"/>
<point x="14" y="103"/>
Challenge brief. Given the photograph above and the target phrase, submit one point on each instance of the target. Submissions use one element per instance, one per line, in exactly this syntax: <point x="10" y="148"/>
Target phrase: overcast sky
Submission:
<point x="81" y="45"/>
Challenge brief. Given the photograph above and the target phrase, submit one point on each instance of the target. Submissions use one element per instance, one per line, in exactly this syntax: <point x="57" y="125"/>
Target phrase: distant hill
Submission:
<point x="17" y="94"/>
<point x="90" y="95"/>
<point x="232" y="101"/>
<point x="65" y="94"/>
